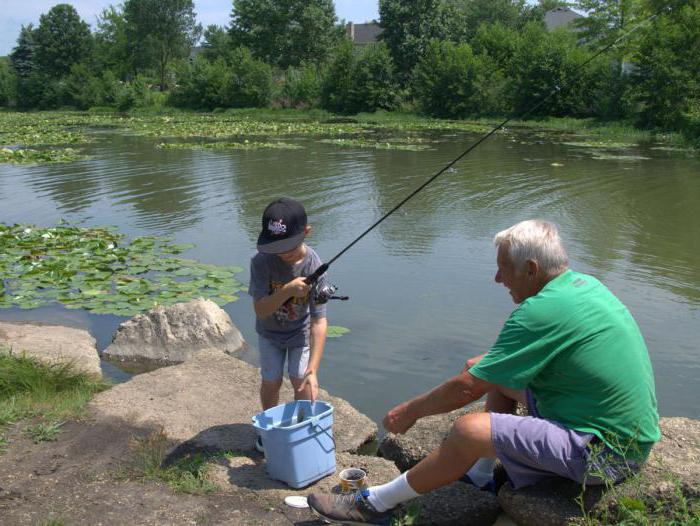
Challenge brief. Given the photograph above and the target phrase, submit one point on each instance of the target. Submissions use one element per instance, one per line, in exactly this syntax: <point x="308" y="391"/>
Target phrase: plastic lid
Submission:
<point x="296" y="501"/>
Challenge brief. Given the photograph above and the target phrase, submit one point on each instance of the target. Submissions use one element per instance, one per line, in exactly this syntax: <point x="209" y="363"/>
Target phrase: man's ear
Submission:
<point x="307" y="230"/>
<point x="532" y="267"/>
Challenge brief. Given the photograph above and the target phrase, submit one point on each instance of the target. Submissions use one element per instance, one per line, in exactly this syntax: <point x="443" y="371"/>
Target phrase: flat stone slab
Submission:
<point x="673" y="468"/>
<point x="456" y="504"/>
<point x="52" y="344"/>
<point x="208" y="402"/>
<point x="426" y="435"/>
<point x="167" y="335"/>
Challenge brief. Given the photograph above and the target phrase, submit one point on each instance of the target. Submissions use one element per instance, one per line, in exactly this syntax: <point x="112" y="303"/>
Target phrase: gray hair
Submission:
<point x="535" y="240"/>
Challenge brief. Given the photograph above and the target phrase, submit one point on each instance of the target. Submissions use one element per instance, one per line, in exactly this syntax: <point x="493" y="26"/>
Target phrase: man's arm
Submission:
<point x="453" y="394"/>
<point x="319" y="327"/>
<point x="297" y="288"/>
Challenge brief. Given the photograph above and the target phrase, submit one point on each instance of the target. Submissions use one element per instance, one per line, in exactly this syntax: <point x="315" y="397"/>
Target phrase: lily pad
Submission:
<point x="98" y="270"/>
<point x="336" y="331"/>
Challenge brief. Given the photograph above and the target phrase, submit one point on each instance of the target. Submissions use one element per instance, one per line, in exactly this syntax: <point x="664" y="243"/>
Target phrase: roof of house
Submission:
<point x="367" y="33"/>
<point x="559" y="17"/>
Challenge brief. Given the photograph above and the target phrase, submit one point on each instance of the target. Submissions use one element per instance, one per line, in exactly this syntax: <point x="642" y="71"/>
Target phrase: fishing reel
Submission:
<point x="323" y="292"/>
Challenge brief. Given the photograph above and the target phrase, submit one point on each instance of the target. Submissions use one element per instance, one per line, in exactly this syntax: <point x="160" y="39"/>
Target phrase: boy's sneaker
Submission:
<point x="259" y="445"/>
<point x="352" y="508"/>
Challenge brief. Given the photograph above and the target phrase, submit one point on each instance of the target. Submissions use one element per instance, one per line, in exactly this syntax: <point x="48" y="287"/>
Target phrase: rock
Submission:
<point x="52" y="343"/>
<point x="426" y="435"/>
<point x="456" y="504"/>
<point x="673" y="469"/>
<point x="244" y="473"/>
<point x="208" y="402"/>
<point x="167" y="335"/>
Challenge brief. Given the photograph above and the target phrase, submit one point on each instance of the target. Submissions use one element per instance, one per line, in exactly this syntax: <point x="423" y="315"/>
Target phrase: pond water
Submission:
<point x="423" y="298"/>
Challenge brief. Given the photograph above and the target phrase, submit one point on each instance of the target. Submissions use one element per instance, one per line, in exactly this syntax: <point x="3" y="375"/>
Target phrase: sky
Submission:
<point x="15" y="13"/>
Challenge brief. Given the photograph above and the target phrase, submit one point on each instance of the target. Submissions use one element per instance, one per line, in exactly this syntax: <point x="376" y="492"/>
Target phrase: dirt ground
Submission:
<point x="80" y="479"/>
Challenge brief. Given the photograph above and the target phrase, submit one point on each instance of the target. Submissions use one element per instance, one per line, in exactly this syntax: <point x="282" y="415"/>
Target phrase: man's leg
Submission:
<point x="469" y="439"/>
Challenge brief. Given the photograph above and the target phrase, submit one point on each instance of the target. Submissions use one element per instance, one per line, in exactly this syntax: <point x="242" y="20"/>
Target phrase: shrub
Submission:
<point x="336" y="87"/>
<point x="301" y="87"/>
<point x="248" y="83"/>
<point x="201" y="85"/>
<point x="445" y="80"/>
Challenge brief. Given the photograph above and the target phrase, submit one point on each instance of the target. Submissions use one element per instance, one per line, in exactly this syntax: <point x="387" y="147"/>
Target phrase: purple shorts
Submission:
<point x="532" y="448"/>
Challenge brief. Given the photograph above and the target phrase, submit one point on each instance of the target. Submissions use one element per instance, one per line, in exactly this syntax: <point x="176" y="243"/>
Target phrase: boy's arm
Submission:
<point x="319" y="327"/>
<point x="266" y="306"/>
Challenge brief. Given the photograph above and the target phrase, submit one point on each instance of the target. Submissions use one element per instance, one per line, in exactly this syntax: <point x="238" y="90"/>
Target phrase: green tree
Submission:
<point x="62" y="40"/>
<point x="374" y="81"/>
<point x="160" y="31"/>
<point x="216" y="42"/>
<point x="112" y="48"/>
<point x="249" y="83"/>
<point x="22" y="56"/>
<point x="202" y="85"/>
<point x="285" y="32"/>
<point x="410" y="26"/>
<point x="606" y="20"/>
<point x="508" y="13"/>
<point x="8" y="82"/>
<point x="667" y="79"/>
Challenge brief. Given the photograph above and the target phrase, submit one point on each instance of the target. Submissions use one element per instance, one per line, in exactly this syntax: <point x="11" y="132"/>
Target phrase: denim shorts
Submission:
<point x="272" y="360"/>
<point x="532" y="448"/>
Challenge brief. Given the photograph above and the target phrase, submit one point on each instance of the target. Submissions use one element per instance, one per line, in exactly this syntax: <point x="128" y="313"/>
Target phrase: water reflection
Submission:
<point x="423" y="297"/>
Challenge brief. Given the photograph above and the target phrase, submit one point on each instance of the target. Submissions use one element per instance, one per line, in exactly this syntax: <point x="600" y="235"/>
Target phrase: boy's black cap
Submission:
<point x="283" y="224"/>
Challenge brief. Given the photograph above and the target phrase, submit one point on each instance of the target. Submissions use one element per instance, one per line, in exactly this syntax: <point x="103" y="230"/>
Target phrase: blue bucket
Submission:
<point x="298" y="452"/>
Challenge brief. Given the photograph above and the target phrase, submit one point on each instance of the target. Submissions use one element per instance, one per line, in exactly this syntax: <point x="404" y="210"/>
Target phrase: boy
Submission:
<point x="288" y="320"/>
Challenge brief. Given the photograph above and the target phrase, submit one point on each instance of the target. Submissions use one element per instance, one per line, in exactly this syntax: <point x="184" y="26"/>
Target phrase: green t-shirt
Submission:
<point x="580" y="352"/>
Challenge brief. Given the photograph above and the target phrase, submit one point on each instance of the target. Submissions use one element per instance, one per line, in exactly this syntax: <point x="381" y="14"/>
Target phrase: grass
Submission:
<point x="186" y="475"/>
<point x="631" y="503"/>
<point x="409" y="518"/>
<point x="51" y="393"/>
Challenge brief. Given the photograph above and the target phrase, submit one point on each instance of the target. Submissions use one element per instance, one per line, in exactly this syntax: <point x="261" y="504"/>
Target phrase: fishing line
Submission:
<point x="323" y="268"/>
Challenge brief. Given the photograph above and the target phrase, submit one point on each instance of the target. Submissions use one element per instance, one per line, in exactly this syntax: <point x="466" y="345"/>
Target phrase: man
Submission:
<point x="570" y="351"/>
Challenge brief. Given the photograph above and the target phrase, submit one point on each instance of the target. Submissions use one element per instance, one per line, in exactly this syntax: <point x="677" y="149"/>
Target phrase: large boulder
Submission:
<point x="52" y="343"/>
<point x="670" y="477"/>
<point x="168" y="335"/>
<point x="456" y="504"/>
<point x="425" y="436"/>
<point x="208" y="401"/>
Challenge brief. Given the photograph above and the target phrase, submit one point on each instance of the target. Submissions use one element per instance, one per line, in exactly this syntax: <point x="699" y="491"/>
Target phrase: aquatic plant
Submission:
<point x="29" y="156"/>
<point x="385" y="145"/>
<point x="245" y="145"/>
<point x="98" y="270"/>
<point x="336" y="331"/>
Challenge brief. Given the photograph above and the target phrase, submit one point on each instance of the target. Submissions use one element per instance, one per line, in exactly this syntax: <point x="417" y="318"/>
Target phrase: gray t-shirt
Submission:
<point x="289" y="325"/>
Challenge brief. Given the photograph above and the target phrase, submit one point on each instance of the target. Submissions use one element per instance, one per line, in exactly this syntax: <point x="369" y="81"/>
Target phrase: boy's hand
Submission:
<point x="298" y="288"/>
<point x="311" y="383"/>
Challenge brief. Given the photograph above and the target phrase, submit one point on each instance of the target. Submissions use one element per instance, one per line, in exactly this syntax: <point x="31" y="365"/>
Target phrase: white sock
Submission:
<point x="482" y="471"/>
<point x="391" y="494"/>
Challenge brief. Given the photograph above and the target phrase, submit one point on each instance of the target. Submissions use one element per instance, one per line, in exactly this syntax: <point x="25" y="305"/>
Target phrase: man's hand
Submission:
<point x="471" y="362"/>
<point x="298" y="288"/>
<point x="399" y="419"/>
<point x="311" y="382"/>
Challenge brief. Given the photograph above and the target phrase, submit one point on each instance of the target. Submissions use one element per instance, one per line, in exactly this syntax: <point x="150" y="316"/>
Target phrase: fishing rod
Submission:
<point x="329" y="290"/>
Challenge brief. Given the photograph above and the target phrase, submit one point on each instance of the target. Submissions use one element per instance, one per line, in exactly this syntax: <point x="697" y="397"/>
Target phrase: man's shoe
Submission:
<point x="259" y="445"/>
<point x="490" y="486"/>
<point x="352" y="508"/>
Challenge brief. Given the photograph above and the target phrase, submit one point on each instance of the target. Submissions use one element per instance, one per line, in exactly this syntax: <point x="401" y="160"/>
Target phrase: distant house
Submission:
<point x="364" y="34"/>
<point x="560" y="17"/>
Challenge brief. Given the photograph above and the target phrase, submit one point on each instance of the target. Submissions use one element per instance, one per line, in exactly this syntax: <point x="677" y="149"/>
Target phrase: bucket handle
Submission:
<point x="315" y="425"/>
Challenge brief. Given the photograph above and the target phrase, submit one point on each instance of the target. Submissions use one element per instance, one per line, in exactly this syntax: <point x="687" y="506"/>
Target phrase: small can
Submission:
<point x="352" y="479"/>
